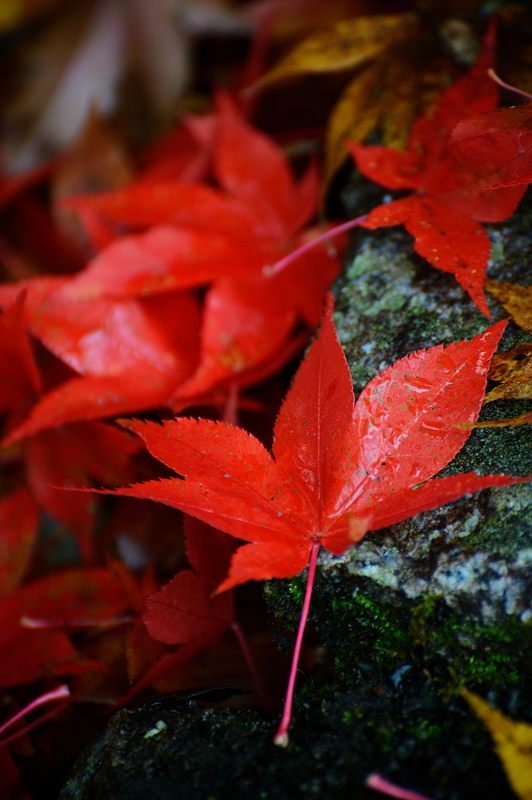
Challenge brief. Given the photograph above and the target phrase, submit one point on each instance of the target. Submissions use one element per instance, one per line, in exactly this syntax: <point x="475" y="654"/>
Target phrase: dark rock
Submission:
<point x="186" y="752"/>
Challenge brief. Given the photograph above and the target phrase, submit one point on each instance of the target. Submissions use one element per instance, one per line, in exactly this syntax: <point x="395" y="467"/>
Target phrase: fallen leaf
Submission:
<point x="32" y="654"/>
<point x="444" y="212"/>
<point x="20" y="380"/>
<point x="517" y="300"/>
<point x="75" y="455"/>
<point x="495" y="148"/>
<point x="184" y="609"/>
<point x="400" y="70"/>
<point x="133" y="354"/>
<point x="512" y="370"/>
<point x="337" y="469"/>
<point x="222" y="238"/>
<point x="348" y="44"/>
<point x="18" y="531"/>
<point x="513" y="744"/>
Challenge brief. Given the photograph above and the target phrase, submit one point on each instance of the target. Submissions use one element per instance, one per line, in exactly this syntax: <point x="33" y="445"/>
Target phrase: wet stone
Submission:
<point x="337" y="739"/>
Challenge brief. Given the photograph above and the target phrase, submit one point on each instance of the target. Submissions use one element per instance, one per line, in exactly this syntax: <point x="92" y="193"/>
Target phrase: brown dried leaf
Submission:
<point x="96" y="161"/>
<point x="517" y="300"/>
<point x="400" y="71"/>
<point x="512" y="370"/>
<point x="506" y="422"/>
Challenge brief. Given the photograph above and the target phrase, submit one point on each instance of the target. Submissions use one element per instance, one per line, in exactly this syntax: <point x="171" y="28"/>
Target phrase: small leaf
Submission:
<point x="512" y="370"/>
<point x="517" y="300"/>
<point x="513" y="744"/>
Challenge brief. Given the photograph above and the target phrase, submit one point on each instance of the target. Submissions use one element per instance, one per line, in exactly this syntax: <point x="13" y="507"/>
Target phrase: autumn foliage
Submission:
<point x="155" y="303"/>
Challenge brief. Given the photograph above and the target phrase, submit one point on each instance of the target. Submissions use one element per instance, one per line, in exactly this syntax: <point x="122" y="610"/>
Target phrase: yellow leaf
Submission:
<point x="348" y="44"/>
<point x="347" y="120"/>
<point x="517" y="300"/>
<point x="513" y="744"/>
<point x="387" y="95"/>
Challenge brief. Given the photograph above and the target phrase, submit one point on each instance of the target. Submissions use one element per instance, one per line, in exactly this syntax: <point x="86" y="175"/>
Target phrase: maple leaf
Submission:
<point x="132" y="354"/>
<point x="74" y="455"/>
<point x="71" y="454"/>
<point x="224" y="237"/>
<point x="30" y="653"/>
<point x="18" y="530"/>
<point x="495" y="148"/>
<point x="20" y="379"/>
<point x="337" y="469"/>
<point x="186" y="612"/>
<point x="450" y="201"/>
<point x="513" y="744"/>
<point x="184" y="609"/>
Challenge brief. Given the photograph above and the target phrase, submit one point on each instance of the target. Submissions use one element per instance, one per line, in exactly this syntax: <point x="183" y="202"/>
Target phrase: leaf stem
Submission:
<point x="59" y="693"/>
<point x="250" y="663"/>
<point x="380" y="784"/>
<point x="281" y="737"/>
<point x="275" y="269"/>
<point x="230" y="413"/>
<point x="508" y="86"/>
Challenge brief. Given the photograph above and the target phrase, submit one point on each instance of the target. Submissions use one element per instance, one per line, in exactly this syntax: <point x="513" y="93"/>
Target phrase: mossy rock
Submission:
<point x="167" y="750"/>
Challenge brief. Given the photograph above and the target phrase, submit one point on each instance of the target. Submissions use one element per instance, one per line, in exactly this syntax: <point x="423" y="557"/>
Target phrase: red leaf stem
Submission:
<point x="281" y="737"/>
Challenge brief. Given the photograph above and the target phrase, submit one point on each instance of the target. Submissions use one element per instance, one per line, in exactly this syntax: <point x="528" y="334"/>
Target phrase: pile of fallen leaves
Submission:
<point x="186" y="278"/>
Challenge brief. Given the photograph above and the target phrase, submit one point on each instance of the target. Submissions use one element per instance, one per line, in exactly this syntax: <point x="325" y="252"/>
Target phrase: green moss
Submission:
<point x="368" y="631"/>
<point x="489" y="656"/>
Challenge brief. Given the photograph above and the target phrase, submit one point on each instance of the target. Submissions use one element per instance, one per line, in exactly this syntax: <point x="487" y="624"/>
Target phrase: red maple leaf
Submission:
<point x="223" y="237"/>
<point x="132" y="354"/>
<point x="495" y="148"/>
<point x="18" y="530"/>
<point x="185" y="609"/>
<point x="68" y="455"/>
<point x="450" y="198"/>
<point x="337" y="469"/>
<point x="32" y="641"/>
